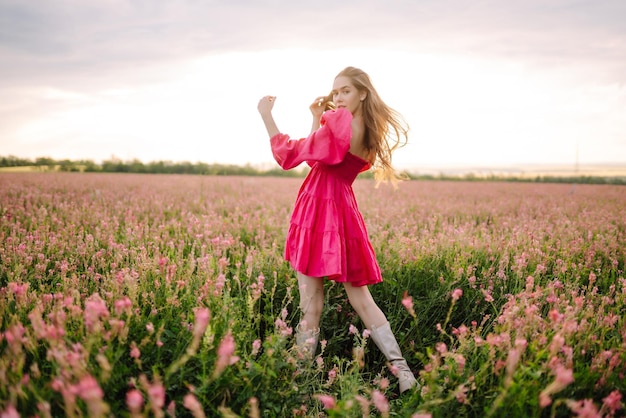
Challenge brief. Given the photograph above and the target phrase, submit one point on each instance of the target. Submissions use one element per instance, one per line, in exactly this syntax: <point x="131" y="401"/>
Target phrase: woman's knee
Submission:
<point x="359" y="296"/>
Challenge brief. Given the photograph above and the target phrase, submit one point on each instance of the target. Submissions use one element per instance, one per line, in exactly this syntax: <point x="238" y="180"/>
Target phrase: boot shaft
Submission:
<point x="386" y="342"/>
<point x="306" y="341"/>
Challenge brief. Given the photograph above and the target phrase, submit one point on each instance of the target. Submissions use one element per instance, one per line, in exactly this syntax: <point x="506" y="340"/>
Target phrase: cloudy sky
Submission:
<point x="481" y="83"/>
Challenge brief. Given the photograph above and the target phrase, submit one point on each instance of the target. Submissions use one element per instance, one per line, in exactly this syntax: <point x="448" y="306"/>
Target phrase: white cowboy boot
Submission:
<point x="306" y="342"/>
<point x="387" y="344"/>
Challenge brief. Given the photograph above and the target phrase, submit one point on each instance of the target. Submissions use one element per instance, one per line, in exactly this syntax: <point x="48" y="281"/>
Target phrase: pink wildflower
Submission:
<point x="353" y="330"/>
<point x="90" y="391"/>
<point x="393" y="369"/>
<point x="407" y="302"/>
<point x="219" y="284"/>
<point x="488" y="297"/>
<point x="460" y="361"/>
<point x="358" y="352"/>
<point x="282" y="327"/>
<point x="557" y="344"/>
<point x="461" y="331"/>
<point x="257" y="287"/>
<point x="123" y="305"/>
<point x="254" y="407"/>
<point x="156" y="393"/>
<point x="134" y="350"/>
<point x="225" y="353"/>
<point x="117" y="326"/>
<point x="461" y="394"/>
<point x="613" y="401"/>
<point x="610" y="319"/>
<point x="10" y="412"/>
<point x="456" y="294"/>
<point x="326" y="400"/>
<point x="555" y="316"/>
<point x="319" y="361"/>
<point x="584" y="408"/>
<point x="496" y="340"/>
<point x="134" y="401"/>
<point x="531" y="310"/>
<point x="472" y="282"/>
<point x="380" y="402"/>
<point x="300" y="412"/>
<point x="202" y="316"/>
<point x="95" y="309"/>
<point x="332" y="374"/>
<point x="88" y="388"/>
<point x="18" y="289"/>
<point x="364" y="403"/>
<point x="256" y="346"/>
<point x="191" y="403"/>
<point x="563" y="378"/>
<point x="223" y="263"/>
<point x="512" y="360"/>
<point x="171" y="409"/>
<point x="14" y="336"/>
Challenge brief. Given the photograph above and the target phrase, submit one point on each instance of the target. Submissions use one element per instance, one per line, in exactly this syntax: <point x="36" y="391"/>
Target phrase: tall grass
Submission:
<point x="131" y="295"/>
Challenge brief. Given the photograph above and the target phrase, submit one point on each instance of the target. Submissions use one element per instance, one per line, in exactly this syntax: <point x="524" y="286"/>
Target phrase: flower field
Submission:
<point x="160" y="295"/>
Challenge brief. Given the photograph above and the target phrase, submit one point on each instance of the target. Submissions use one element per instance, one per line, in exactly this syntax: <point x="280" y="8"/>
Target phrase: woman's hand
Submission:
<point x="317" y="107"/>
<point x="266" y="104"/>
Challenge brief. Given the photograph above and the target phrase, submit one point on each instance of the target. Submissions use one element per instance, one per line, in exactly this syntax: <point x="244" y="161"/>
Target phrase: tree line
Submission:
<point x="115" y="165"/>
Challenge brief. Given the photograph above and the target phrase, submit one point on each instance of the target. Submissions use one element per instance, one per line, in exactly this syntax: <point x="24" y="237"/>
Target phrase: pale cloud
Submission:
<point x="67" y="37"/>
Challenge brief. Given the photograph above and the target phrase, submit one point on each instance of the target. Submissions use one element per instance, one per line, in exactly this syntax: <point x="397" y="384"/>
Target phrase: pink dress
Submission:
<point x="327" y="236"/>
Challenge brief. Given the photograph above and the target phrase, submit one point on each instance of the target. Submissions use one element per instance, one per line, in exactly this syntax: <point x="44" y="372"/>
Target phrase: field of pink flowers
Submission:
<point x="150" y="295"/>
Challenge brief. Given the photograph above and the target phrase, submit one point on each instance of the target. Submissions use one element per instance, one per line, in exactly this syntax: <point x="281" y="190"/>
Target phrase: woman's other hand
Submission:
<point x="317" y="107"/>
<point x="266" y="104"/>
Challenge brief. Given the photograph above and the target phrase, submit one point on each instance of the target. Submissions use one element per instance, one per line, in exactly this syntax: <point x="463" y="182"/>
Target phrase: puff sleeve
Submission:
<point x="329" y="144"/>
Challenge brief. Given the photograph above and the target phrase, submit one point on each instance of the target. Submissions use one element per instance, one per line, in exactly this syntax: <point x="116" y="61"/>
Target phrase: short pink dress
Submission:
<point x="327" y="235"/>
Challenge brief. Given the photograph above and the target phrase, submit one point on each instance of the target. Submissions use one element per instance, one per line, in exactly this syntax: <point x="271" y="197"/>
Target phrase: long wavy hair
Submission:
<point x="385" y="128"/>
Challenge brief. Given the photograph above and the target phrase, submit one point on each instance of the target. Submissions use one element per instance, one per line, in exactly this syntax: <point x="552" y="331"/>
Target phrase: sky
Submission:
<point x="485" y="83"/>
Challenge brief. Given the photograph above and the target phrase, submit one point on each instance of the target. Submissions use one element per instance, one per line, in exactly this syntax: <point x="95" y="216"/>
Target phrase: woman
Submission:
<point x="353" y="130"/>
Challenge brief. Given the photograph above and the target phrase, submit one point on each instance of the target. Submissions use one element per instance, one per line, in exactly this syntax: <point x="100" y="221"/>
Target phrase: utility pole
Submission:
<point x="576" y="168"/>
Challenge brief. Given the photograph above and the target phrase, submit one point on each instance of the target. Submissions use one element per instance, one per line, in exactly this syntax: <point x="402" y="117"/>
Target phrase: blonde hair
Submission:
<point x="385" y="129"/>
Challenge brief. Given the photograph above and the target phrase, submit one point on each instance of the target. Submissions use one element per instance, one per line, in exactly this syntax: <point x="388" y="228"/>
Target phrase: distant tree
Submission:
<point x="90" y="166"/>
<point x="137" y="166"/>
<point x="47" y="161"/>
<point x="13" y="161"/>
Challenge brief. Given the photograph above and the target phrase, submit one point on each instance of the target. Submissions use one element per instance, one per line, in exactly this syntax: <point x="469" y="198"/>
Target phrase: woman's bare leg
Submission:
<point x="311" y="300"/>
<point x="380" y="331"/>
<point x="363" y="303"/>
